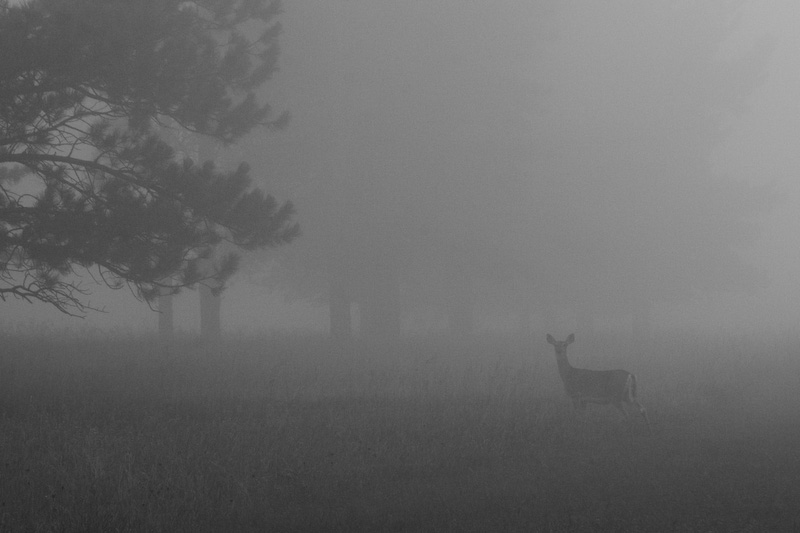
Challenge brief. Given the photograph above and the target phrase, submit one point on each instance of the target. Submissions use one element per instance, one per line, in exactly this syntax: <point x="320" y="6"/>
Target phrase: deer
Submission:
<point x="617" y="387"/>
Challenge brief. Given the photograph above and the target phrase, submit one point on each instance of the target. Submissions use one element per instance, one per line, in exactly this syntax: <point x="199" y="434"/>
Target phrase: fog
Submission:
<point x="524" y="165"/>
<point x="475" y="182"/>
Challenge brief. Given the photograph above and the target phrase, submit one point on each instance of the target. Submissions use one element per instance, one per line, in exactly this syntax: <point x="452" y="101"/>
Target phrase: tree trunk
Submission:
<point x="584" y="322"/>
<point x="524" y="321"/>
<point x="381" y="317"/>
<point x="166" y="325"/>
<point x="642" y="325"/>
<point x="210" y="305"/>
<point x="339" y="300"/>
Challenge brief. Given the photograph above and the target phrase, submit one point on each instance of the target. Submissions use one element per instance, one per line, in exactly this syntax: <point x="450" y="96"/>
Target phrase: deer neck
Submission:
<point x="564" y="368"/>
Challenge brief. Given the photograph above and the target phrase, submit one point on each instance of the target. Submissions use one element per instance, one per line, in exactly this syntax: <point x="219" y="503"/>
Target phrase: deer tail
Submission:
<point x="631" y="387"/>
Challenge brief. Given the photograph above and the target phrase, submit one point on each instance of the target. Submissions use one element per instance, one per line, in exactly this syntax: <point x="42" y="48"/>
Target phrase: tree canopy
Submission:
<point x="87" y="180"/>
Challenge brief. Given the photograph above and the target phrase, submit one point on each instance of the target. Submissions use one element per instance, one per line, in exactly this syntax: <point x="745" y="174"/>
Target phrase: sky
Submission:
<point x="760" y="148"/>
<point x="764" y="147"/>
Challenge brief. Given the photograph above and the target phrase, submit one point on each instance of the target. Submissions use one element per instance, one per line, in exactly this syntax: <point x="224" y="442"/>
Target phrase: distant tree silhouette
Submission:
<point x="563" y="170"/>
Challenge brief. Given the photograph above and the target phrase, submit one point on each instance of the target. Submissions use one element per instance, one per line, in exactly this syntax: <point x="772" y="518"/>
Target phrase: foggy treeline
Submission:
<point x="544" y="163"/>
<point x="517" y="165"/>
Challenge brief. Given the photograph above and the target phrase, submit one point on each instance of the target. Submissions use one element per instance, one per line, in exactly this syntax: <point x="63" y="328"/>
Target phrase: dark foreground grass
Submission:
<point x="294" y="435"/>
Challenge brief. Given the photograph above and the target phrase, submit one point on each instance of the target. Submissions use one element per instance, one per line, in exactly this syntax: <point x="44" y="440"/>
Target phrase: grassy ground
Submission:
<point x="293" y="434"/>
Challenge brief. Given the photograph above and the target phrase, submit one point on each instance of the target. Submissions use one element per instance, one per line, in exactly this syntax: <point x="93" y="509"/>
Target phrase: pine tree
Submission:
<point x="87" y="181"/>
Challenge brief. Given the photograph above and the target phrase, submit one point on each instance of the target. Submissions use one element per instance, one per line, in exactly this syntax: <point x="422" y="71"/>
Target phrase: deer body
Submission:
<point x="616" y="387"/>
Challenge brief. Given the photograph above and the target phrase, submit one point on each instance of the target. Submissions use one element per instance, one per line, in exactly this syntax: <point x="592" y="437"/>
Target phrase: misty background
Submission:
<point x="534" y="165"/>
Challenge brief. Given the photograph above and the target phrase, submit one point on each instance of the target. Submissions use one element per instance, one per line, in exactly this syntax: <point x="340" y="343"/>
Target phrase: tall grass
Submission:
<point x="291" y="433"/>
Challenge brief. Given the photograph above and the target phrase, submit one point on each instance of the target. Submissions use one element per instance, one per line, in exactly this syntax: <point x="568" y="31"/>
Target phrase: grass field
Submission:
<point x="293" y="434"/>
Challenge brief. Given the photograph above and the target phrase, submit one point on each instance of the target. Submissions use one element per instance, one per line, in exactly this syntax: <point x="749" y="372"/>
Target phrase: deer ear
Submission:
<point x="571" y="338"/>
<point x="550" y="339"/>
